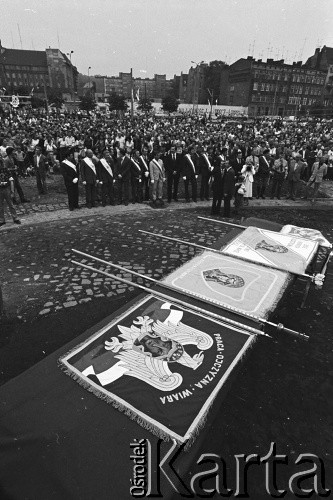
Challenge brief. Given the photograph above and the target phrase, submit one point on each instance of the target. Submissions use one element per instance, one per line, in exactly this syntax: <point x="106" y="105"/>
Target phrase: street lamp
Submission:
<point x="70" y="55"/>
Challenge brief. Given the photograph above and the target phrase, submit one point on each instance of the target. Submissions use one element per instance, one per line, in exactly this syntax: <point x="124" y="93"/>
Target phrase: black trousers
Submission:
<point x="90" y="194"/>
<point x="226" y="205"/>
<point x="136" y="192"/>
<point x="123" y="190"/>
<point x="73" y="195"/>
<point x="276" y="186"/>
<point x="216" y="205"/>
<point x="204" y="188"/>
<point x="193" y="182"/>
<point x="18" y="188"/>
<point x="172" y="186"/>
<point x="107" y="193"/>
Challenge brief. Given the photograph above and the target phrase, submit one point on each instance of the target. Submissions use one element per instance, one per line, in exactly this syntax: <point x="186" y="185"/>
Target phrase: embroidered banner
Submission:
<point x="221" y="279"/>
<point x="307" y="233"/>
<point x="160" y="364"/>
<point x="281" y="251"/>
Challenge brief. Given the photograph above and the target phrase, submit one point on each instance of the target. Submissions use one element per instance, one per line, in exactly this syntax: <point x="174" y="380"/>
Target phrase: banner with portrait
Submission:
<point x="286" y="252"/>
<point x="160" y="364"/>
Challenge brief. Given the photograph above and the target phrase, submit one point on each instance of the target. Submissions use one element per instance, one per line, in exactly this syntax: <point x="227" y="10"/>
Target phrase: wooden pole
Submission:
<point x="185" y="305"/>
<point x="223" y="222"/>
<point x="278" y="326"/>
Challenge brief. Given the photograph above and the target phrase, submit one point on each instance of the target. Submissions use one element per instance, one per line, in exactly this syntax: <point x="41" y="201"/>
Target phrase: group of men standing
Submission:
<point x="137" y="177"/>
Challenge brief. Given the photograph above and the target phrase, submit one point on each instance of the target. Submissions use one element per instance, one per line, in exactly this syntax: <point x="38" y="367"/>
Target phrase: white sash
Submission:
<point x="90" y="164"/>
<point x="137" y="165"/>
<point x="106" y="166"/>
<point x="190" y="160"/>
<point x="159" y="166"/>
<point x="207" y="161"/>
<point x="144" y="163"/>
<point x="70" y="164"/>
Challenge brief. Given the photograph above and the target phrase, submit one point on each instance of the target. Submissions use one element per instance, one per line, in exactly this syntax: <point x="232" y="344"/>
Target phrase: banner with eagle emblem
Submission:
<point x="226" y="281"/>
<point x="160" y="364"/>
<point x="287" y="252"/>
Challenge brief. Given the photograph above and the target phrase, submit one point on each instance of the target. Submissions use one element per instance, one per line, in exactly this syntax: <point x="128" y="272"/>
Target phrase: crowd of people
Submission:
<point x="122" y="160"/>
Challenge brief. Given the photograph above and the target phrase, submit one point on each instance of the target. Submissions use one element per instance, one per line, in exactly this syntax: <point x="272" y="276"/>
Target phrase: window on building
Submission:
<point x="267" y="87"/>
<point x="284" y="89"/>
<point x="306" y="90"/>
<point x="255" y="86"/>
<point x="285" y="77"/>
<point x="304" y="101"/>
<point x="262" y="87"/>
<point x="232" y="88"/>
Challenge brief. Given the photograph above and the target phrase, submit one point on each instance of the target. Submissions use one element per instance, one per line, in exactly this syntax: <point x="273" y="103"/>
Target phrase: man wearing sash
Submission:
<point x="105" y="175"/>
<point x="157" y="177"/>
<point x="123" y="175"/>
<point x="70" y="174"/>
<point x="89" y="178"/>
<point x="145" y="176"/>
<point x="190" y="175"/>
<point x="205" y="170"/>
<point x="136" y="180"/>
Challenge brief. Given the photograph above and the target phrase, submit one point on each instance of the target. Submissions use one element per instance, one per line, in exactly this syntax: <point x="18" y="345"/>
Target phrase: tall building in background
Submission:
<point x="40" y="71"/>
<point x="274" y="87"/>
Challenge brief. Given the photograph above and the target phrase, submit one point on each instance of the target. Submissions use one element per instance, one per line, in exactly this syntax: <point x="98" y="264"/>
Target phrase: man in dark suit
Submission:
<point x="89" y="178"/>
<point x="205" y="170"/>
<point x="70" y="173"/>
<point x="238" y="162"/>
<point x="173" y="165"/>
<point x="217" y="187"/>
<point x="190" y="175"/>
<point x="123" y="175"/>
<point x="144" y="160"/>
<point x="105" y="173"/>
<point x="263" y="172"/>
<point x="228" y="188"/>
<point x="136" y="180"/>
<point x="40" y="166"/>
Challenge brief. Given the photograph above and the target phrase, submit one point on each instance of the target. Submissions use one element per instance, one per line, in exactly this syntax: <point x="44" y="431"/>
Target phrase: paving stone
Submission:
<point x="44" y="311"/>
<point x="85" y="282"/>
<point x="70" y="304"/>
<point x="89" y="292"/>
<point x="46" y="276"/>
<point x="82" y="301"/>
<point x="36" y="277"/>
<point x="48" y="304"/>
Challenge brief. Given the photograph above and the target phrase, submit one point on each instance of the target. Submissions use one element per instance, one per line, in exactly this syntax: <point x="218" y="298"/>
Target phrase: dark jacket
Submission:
<point x="102" y="173"/>
<point x="229" y="182"/>
<point x="68" y="173"/>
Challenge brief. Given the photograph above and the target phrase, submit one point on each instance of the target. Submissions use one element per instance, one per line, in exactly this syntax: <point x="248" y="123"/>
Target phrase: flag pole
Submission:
<point x="223" y="222"/>
<point x="168" y="298"/>
<point x="188" y="243"/>
<point x="278" y="326"/>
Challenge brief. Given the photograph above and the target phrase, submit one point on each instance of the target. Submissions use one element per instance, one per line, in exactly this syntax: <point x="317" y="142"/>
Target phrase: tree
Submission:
<point x="87" y="103"/>
<point x="145" y="105"/>
<point x="170" y="103"/>
<point x="37" y="102"/>
<point x="117" y="102"/>
<point x="213" y="74"/>
<point x="55" y="97"/>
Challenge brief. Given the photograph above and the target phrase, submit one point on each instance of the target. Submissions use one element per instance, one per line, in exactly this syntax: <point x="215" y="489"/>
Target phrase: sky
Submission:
<point x="164" y="36"/>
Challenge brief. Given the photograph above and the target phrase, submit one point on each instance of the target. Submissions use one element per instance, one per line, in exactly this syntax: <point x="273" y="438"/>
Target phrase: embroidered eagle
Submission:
<point x="145" y="350"/>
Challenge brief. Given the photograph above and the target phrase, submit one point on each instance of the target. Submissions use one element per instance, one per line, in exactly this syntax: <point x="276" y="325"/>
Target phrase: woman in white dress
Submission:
<point x="248" y="171"/>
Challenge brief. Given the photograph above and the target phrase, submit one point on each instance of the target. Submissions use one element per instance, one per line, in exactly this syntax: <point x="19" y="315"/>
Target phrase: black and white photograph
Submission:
<point x="166" y="276"/>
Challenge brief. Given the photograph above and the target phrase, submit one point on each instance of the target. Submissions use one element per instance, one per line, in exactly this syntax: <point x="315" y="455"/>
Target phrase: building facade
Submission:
<point x="37" y="71"/>
<point x="274" y="88"/>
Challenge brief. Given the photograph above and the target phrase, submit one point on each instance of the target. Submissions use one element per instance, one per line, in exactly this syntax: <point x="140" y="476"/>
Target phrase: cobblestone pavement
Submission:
<point x="38" y="277"/>
<point x="53" y="207"/>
